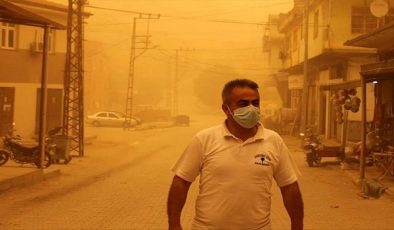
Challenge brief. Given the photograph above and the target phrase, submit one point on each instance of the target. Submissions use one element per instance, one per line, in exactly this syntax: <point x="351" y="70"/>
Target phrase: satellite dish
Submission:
<point x="379" y="8"/>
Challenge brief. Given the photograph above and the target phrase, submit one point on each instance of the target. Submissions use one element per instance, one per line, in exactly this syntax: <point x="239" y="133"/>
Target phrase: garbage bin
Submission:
<point x="62" y="148"/>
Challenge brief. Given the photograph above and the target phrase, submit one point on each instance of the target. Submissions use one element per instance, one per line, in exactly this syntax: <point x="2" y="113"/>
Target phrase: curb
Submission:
<point x="39" y="175"/>
<point x="389" y="192"/>
<point x="51" y="173"/>
<point x="28" y="179"/>
<point x="354" y="179"/>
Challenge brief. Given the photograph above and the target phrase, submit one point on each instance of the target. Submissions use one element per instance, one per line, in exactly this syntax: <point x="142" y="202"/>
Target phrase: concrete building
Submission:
<point x="332" y="66"/>
<point x="21" y="62"/>
<point x="380" y="75"/>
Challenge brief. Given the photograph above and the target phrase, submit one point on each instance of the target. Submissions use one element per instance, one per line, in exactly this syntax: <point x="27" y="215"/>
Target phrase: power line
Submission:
<point x="178" y="17"/>
<point x="119" y="10"/>
<point x="191" y="60"/>
<point x="203" y="15"/>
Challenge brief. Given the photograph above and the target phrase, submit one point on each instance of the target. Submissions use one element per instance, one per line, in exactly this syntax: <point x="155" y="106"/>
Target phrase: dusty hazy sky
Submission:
<point x="183" y="24"/>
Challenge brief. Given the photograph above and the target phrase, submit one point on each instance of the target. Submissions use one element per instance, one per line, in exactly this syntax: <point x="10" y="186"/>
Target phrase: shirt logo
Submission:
<point x="262" y="159"/>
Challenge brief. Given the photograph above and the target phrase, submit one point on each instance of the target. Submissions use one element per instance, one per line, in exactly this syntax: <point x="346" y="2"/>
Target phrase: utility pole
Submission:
<point x="169" y="85"/>
<point x="73" y="124"/>
<point x="44" y="93"/>
<point x="175" y="106"/>
<point x="138" y="42"/>
<point x="305" y="89"/>
<point x="175" y="85"/>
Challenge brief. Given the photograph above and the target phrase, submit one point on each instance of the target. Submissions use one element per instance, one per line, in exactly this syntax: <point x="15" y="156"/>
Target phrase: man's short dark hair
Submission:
<point x="241" y="83"/>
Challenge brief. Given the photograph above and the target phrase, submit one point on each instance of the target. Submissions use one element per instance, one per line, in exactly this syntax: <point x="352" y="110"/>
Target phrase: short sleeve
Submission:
<point x="188" y="165"/>
<point x="286" y="171"/>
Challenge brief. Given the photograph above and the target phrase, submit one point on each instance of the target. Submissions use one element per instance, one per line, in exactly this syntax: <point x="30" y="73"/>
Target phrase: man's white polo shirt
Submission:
<point x="235" y="177"/>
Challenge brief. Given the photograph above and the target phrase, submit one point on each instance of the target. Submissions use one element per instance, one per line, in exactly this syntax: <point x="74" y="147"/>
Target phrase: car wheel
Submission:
<point x="126" y="125"/>
<point x="3" y="157"/>
<point x="96" y="123"/>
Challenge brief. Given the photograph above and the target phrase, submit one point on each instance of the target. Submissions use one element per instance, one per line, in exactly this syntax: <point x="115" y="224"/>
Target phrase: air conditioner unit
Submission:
<point x="36" y="47"/>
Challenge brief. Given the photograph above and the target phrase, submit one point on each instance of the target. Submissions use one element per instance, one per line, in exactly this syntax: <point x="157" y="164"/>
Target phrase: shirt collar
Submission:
<point x="260" y="134"/>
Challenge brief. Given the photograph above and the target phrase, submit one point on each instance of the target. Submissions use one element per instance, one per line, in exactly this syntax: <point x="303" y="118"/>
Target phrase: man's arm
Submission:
<point x="292" y="200"/>
<point x="176" y="201"/>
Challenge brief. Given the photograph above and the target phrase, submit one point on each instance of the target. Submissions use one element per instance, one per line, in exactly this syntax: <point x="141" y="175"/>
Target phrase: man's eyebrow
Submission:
<point x="251" y="101"/>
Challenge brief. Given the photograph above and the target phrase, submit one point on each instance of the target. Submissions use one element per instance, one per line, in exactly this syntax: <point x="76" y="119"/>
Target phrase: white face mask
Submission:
<point x="247" y="116"/>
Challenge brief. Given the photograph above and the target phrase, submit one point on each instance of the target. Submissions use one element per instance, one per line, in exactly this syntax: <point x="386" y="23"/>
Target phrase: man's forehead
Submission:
<point x="244" y="91"/>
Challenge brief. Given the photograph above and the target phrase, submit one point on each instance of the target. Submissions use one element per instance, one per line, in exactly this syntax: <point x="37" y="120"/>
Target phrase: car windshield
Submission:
<point x="119" y="114"/>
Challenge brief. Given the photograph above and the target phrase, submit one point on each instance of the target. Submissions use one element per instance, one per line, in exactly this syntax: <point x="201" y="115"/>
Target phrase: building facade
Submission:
<point x="20" y="73"/>
<point x="332" y="66"/>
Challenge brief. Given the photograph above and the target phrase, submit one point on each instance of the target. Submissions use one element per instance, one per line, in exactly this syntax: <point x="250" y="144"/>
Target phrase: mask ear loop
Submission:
<point x="229" y="110"/>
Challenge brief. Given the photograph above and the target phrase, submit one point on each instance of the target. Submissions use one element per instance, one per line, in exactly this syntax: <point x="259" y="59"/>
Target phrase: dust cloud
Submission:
<point x="192" y="49"/>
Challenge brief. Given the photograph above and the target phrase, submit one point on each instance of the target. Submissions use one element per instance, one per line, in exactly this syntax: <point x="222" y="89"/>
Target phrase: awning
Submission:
<point x="343" y="85"/>
<point x="11" y="13"/>
<point x="332" y="56"/>
<point x="378" y="71"/>
<point x="381" y="38"/>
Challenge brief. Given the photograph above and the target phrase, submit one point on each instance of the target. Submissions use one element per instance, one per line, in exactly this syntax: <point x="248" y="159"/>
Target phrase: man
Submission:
<point x="236" y="162"/>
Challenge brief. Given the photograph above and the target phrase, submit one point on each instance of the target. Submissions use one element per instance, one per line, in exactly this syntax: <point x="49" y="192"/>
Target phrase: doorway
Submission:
<point x="7" y="98"/>
<point x="54" y="109"/>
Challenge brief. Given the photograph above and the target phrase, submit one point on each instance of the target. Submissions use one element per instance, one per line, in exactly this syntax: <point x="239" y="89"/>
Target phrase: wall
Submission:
<point x="25" y="67"/>
<point x="340" y="29"/>
<point x="25" y="106"/>
<point x="29" y="34"/>
<point x="21" y="68"/>
<point x="334" y="28"/>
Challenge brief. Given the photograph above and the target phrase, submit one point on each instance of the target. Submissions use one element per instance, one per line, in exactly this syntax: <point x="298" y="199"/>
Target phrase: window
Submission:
<point x="301" y="31"/>
<point x="112" y="115"/>
<point x="38" y="43"/>
<point x="51" y="40"/>
<point x="315" y="24"/>
<point x="364" y="22"/>
<point x="338" y="71"/>
<point x="102" y="115"/>
<point x="389" y="17"/>
<point x="287" y="42"/>
<point x="295" y="39"/>
<point x="7" y="39"/>
<point x="295" y="98"/>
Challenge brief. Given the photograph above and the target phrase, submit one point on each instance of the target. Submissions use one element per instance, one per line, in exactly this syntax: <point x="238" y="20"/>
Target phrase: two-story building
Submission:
<point x="332" y="66"/>
<point x="21" y="67"/>
<point x="379" y="75"/>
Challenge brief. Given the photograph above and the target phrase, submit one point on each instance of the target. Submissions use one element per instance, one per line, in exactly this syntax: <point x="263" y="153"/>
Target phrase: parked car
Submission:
<point x="110" y="118"/>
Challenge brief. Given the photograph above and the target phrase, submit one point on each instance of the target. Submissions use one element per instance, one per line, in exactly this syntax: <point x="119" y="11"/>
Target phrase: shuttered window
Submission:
<point x="364" y="22"/>
<point x="7" y="37"/>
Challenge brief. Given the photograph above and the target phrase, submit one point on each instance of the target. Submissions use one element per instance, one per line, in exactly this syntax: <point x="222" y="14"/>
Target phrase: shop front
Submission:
<point x="378" y="137"/>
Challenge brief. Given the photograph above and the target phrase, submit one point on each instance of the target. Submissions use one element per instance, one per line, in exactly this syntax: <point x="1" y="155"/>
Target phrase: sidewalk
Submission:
<point x="13" y="175"/>
<point x="352" y="171"/>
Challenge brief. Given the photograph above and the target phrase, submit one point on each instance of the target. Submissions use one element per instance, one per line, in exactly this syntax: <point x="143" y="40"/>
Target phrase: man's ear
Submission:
<point x="226" y="109"/>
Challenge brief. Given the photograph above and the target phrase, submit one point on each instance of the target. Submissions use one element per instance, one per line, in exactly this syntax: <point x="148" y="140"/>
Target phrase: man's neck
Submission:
<point x="239" y="131"/>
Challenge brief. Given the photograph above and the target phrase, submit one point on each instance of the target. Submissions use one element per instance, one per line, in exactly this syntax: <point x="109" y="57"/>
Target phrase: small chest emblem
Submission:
<point x="262" y="159"/>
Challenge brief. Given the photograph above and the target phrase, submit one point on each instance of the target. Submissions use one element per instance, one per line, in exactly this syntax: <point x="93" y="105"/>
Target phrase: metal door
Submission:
<point x="7" y="97"/>
<point x="54" y="108"/>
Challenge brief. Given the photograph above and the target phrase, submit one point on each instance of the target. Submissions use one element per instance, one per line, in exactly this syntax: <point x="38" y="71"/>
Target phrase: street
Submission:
<point x="123" y="181"/>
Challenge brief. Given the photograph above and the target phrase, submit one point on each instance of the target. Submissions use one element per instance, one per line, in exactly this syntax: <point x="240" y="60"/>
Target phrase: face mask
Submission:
<point x="247" y="116"/>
